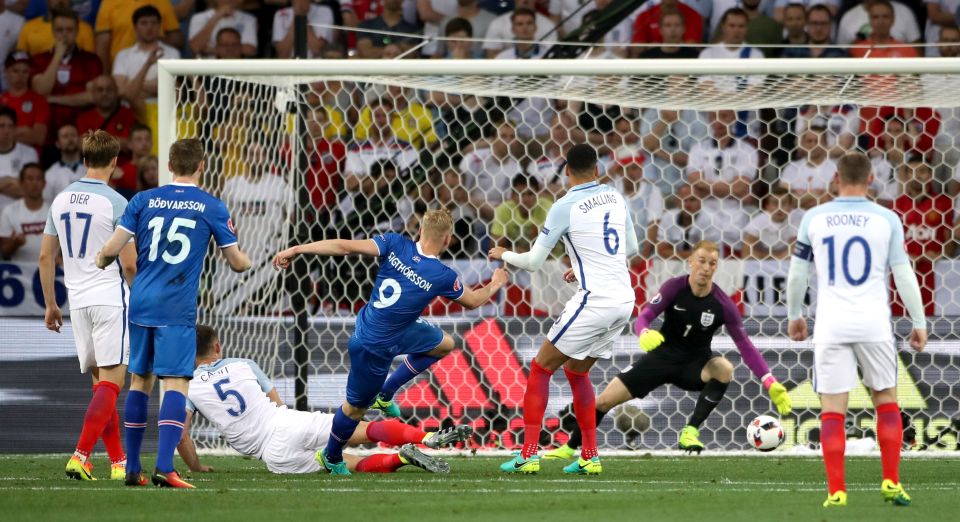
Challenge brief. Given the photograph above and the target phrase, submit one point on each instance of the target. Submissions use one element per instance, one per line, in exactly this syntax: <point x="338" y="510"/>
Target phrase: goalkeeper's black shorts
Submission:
<point x="664" y="366"/>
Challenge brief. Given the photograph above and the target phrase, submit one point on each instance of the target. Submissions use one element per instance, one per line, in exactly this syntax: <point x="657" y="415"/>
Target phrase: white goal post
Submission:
<point x="297" y="327"/>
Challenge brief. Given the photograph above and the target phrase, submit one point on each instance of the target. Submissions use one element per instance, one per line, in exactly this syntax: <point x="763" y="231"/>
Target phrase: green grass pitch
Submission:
<point x="693" y="489"/>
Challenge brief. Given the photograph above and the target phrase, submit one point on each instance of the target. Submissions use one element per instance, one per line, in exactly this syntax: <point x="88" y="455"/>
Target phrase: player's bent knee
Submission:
<point x="615" y="394"/>
<point x="354" y="412"/>
<point x="443" y="349"/>
<point x="721" y="369"/>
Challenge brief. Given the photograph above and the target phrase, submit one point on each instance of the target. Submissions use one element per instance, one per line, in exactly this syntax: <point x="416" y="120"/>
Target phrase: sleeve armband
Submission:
<point x="803" y="251"/>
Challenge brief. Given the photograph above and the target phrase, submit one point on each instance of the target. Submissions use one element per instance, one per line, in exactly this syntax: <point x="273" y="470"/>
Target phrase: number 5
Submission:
<point x="226" y="394"/>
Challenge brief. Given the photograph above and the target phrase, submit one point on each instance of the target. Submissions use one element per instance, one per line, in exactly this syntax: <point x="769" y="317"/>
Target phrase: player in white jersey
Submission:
<point x="853" y="241"/>
<point x="82" y="218"/>
<point x="598" y="233"/>
<point x="238" y="398"/>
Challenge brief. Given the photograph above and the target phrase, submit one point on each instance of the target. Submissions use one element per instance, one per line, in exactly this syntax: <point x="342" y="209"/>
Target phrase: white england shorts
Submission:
<point x="297" y="437"/>
<point x="584" y="330"/>
<point x="835" y="366"/>
<point x="101" y="336"/>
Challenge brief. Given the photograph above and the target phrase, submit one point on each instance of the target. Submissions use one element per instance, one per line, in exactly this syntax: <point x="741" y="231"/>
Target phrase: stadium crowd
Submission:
<point x="381" y="155"/>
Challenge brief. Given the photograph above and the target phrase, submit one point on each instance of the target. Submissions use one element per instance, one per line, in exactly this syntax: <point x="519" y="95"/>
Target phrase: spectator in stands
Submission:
<point x="33" y="112"/>
<point x="116" y="29"/>
<point x="432" y="14"/>
<point x="63" y="74"/>
<point x="375" y="205"/>
<point x="681" y="227"/>
<point x="11" y="24"/>
<point x="148" y="173"/>
<point x="479" y="20"/>
<point x="733" y="33"/>
<point x="840" y="123"/>
<point x="135" y="68"/>
<point x="410" y="120"/>
<point x="819" y="24"/>
<point x="770" y="234"/>
<point x="22" y="222"/>
<point x="317" y="37"/>
<point x="721" y="168"/>
<point x="810" y="176"/>
<point x="380" y="144"/>
<point x="489" y="169"/>
<point x="39" y="34"/>
<point x="370" y="45"/>
<point x="928" y="220"/>
<point x="858" y="24"/>
<point x="125" y="178"/>
<point x="13" y="156"/>
<point x="326" y="166"/>
<point x="229" y="45"/>
<point x="222" y="14"/>
<point x="671" y="29"/>
<point x="666" y="136"/>
<point x="502" y="29"/>
<point x="648" y="28"/>
<point x="451" y="194"/>
<point x="881" y="22"/>
<point x="458" y="49"/>
<point x="107" y="113"/>
<point x="69" y="167"/>
<point x="644" y="199"/>
<point x="940" y="14"/>
<point x="761" y="29"/>
<point x="794" y="24"/>
<point x="548" y="166"/>
<point x="567" y="15"/>
<point x="517" y="220"/>
<point x="524" y="27"/>
<point x="780" y="7"/>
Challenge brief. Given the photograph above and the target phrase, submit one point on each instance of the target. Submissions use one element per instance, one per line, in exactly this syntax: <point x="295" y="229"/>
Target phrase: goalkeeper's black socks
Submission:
<point x="711" y="395"/>
<point x="576" y="438"/>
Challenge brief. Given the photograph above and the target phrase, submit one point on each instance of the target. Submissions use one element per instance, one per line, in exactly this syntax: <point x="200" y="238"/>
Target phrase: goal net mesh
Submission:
<point x="733" y="159"/>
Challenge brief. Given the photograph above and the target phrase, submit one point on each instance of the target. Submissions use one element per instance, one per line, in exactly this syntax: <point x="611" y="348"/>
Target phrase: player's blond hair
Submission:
<point x="708" y="246"/>
<point x="436" y="223"/>
<point x="99" y="149"/>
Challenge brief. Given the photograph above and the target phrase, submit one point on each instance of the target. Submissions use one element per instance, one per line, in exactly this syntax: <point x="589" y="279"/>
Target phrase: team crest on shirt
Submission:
<point x="416" y="259"/>
<point x="456" y="285"/>
<point x="656" y="299"/>
<point x="230" y="225"/>
<point x="706" y="319"/>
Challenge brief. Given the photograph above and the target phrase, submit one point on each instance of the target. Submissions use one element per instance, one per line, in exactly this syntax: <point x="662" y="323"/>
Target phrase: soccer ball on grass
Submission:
<point x="765" y="433"/>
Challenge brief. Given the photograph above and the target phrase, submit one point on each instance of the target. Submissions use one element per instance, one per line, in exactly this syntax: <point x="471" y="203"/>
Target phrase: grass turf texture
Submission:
<point x="631" y="488"/>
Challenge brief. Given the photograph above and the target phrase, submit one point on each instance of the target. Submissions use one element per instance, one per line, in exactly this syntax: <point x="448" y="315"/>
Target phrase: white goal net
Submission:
<point x="728" y="150"/>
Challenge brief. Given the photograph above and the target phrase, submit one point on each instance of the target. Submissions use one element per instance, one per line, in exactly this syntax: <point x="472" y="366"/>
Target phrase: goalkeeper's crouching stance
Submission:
<point x="240" y="401"/>
<point x="694" y="309"/>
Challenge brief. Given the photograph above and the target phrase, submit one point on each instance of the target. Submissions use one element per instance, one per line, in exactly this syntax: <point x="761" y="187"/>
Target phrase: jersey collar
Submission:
<point x="585" y="186"/>
<point x="91" y="180"/>
<point x="420" y="251"/>
<point x="183" y="184"/>
<point x="850" y="198"/>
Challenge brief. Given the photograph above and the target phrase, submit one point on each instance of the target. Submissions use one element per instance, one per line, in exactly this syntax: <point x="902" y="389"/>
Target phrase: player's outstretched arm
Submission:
<point x="752" y="358"/>
<point x="238" y="260"/>
<point x="49" y="250"/>
<point x="797" y="280"/>
<point x="327" y="247"/>
<point x="530" y="261"/>
<point x="111" y="249"/>
<point x="474" y="298"/>
<point x="187" y="449"/>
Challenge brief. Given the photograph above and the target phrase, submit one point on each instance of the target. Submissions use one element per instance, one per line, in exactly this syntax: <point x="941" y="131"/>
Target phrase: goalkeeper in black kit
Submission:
<point x="694" y="308"/>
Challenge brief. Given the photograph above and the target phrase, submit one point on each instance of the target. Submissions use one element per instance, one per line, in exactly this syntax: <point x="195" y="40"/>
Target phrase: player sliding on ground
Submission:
<point x="409" y="278"/>
<point x="173" y="225"/>
<point x="82" y="218"/>
<point x="694" y="309"/>
<point x="598" y="232"/>
<point x="852" y="241"/>
<point x="238" y="398"/>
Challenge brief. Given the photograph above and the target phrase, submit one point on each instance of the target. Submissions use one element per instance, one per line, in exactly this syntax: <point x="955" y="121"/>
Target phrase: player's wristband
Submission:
<point x="768" y="381"/>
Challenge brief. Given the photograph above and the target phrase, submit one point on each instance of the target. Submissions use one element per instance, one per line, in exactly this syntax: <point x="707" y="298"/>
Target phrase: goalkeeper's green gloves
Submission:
<point x="778" y="395"/>
<point x="650" y="339"/>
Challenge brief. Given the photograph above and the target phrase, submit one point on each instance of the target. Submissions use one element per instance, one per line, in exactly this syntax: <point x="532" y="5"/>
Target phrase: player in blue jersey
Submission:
<point x="173" y="225"/>
<point x="410" y="277"/>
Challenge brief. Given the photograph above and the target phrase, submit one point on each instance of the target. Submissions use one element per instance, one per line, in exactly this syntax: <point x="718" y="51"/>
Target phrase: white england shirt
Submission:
<point x="83" y="217"/>
<point x="593" y="220"/>
<point x="852" y="242"/>
<point x="232" y="394"/>
<point x="802" y="176"/>
<point x="11" y="161"/>
<point x="59" y="176"/>
<point x="18" y="219"/>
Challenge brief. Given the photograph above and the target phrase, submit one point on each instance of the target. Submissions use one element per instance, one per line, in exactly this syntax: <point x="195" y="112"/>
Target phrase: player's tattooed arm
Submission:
<point x="328" y="247"/>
